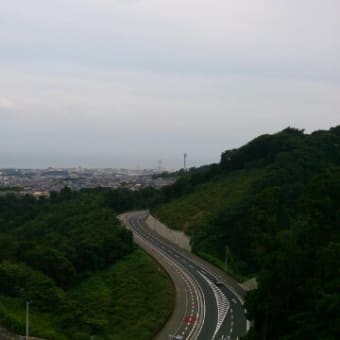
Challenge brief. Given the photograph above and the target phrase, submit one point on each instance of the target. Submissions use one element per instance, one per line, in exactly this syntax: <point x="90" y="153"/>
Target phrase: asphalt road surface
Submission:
<point x="208" y="306"/>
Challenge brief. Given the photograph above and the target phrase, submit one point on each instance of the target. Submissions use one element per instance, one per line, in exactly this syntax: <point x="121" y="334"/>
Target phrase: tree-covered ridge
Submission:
<point x="264" y="178"/>
<point x="299" y="279"/>
<point x="289" y="165"/>
<point x="67" y="255"/>
<point x="71" y="235"/>
<point x="284" y="228"/>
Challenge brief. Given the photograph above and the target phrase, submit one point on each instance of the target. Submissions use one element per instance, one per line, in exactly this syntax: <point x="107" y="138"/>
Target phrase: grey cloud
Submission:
<point x="158" y="77"/>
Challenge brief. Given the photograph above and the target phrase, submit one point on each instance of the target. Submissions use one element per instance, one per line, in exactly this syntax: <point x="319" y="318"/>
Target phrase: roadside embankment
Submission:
<point x="175" y="236"/>
<point x="183" y="241"/>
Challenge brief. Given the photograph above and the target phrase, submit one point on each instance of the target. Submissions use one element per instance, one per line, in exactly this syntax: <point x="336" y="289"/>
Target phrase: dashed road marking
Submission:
<point x="222" y="302"/>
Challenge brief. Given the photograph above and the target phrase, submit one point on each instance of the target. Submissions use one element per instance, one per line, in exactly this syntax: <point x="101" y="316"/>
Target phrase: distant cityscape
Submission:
<point x="39" y="182"/>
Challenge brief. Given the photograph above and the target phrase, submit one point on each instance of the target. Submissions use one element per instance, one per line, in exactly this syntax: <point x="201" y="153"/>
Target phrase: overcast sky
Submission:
<point x="124" y="83"/>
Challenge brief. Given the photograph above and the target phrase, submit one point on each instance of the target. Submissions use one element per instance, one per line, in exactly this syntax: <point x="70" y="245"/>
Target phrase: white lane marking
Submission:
<point x="188" y="279"/>
<point x="222" y="302"/>
<point x="199" y="295"/>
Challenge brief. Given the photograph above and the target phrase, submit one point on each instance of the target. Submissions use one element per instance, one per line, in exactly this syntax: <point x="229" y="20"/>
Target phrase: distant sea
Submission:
<point x="67" y="161"/>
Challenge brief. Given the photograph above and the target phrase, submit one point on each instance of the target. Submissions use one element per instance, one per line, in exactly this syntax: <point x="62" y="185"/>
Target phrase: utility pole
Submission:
<point x="185" y="162"/>
<point x="27" y="318"/>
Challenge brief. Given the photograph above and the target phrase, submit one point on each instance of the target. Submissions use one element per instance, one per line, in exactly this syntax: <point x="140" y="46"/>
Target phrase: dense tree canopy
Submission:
<point x="49" y="246"/>
<point x="284" y="228"/>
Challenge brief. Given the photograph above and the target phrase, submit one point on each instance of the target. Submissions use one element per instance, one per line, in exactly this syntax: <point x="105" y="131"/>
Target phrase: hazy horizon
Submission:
<point x="126" y="83"/>
<point x="41" y="162"/>
<point x="118" y="162"/>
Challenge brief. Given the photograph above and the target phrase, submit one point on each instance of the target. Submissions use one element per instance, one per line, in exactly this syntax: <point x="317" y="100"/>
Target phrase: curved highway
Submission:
<point x="207" y="306"/>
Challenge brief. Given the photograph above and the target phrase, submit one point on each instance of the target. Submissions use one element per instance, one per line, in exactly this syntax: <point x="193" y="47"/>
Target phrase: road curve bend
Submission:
<point x="207" y="306"/>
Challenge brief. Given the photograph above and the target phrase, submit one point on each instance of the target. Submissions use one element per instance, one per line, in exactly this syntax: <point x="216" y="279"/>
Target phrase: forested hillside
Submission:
<point x="269" y="209"/>
<point x="272" y="209"/>
<point x="78" y="266"/>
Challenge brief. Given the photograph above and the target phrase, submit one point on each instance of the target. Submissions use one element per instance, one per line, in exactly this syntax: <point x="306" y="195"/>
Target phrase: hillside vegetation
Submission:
<point x="78" y="266"/>
<point x="272" y="209"/>
<point x="207" y="200"/>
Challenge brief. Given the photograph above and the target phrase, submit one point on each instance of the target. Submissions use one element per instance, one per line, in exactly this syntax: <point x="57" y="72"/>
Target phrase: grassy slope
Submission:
<point x="130" y="300"/>
<point x="207" y="200"/>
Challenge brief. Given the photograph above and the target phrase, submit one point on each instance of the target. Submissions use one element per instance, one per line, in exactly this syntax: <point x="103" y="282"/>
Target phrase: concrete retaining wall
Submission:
<point x="174" y="236"/>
